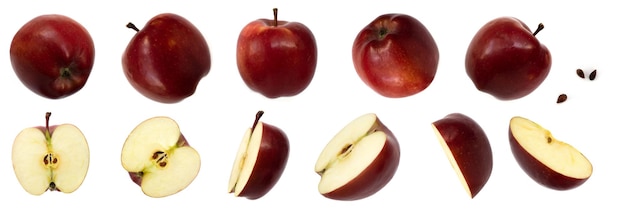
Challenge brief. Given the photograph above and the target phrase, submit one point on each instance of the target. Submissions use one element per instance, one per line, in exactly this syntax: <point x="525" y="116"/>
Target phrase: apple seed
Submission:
<point x="580" y="73"/>
<point x="160" y="158"/>
<point x="561" y="98"/>
<point x="592" y="75"/>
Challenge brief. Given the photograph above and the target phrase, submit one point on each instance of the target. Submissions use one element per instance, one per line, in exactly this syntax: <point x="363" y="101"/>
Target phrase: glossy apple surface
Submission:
<point x="359" y="160"/>
<point x="166" y="59"/>
<point x="550" y="162"/>
<point x="395" y="55"/>
<point x="467" y="146"/>
<point x="50" y="158"/>
<point x="52" y="55"/>
<point x="276" y="58"/>
<point x="260" y="160"/>
<point x="158" y="157"/>
<point x="506" y="60"/>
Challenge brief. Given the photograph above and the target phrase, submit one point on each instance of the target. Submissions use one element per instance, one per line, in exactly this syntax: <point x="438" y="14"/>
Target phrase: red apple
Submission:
<point x="276" y="58"/>
<point x="260" y="161"/>
<point x="506" y="60"/>
<point x="167" y="58"/>
<point x="467" y="147"/>
<point x="395" y="55"/>
<point x="547" y="160"/>
<point x="359" y="160"/>
<point x="52" y="55"/>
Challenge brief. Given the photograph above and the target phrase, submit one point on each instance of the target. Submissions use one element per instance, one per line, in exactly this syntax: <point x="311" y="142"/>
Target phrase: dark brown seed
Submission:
<point x="592" y="75"/>
<point x="561" y="98"/>
<point x="580" y="73"/>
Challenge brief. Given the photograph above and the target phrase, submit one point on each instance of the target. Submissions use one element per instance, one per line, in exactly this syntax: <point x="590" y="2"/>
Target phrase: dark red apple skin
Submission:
<point x="506" y="60"/>
<point x="270" y="163"/>
<point x="470" y="147"/>
<point x="52" y="55"/>
<point x="395" y="55"/>
<point x="538" y="171"/>
<point x="276" y="60"/>
<point x="376" y="176"/>
<point x="167" y="58"/>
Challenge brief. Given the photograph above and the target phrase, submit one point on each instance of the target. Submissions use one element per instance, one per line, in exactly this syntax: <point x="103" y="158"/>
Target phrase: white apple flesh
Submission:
<point x="54" y="158"/>
<point x="158" y="157"/>
<point x="547" y="160"/>
<point x="359" y="160"/>
<point x="260" y="160"/>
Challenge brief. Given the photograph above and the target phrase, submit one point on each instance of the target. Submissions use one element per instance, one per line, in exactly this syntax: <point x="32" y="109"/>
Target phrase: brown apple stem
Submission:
<point x="48" y="114"/>
<point x="275" y="16"/>
<point x="132" y="26"/>
<point x="539" y="28"/>
<point x="257" y="118"/>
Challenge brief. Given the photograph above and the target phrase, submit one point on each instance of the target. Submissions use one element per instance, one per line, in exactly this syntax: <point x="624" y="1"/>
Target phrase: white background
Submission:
<point x="580" y="34"/>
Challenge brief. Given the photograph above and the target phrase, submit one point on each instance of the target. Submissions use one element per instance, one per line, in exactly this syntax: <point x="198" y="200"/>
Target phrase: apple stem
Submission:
<point x="275" y="16"/>
<point x="132" y="26"/>
<point x="539" y="28"/>
<point x="48" y="114"/>
<point x="256" y="119"/>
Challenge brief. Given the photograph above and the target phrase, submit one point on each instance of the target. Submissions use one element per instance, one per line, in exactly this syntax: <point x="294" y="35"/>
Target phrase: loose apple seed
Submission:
<point x="580" y="73"/>
<point x="561" y="98"/>
<point x="592" y="75"/>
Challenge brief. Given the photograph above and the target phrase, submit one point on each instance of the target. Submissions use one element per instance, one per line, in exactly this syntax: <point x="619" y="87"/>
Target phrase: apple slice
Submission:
<point x="54" y="158"/>
<point x="260" y="160"/>
<point x="550" y="162"/>
<point x="359" y="160"/>
<point x="468" y="149"/>
<point x="158" y="157"/>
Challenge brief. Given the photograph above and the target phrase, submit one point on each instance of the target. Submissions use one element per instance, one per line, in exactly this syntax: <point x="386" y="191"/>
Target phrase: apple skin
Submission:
<point x="377" y="175"/>
<point x="270" y="163"/>
<point x="167" y="58"/>
<point x="470" y="147"/>
<point x="276" y="58"/>
<point x="395" y="55"/>
<point x="539" y="172"/>
<point x="52" y="55"/>
<point x="506" y="60"/>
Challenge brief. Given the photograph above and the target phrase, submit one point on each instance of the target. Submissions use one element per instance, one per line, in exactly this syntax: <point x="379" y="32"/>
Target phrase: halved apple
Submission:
<point x="359" y="160"/>
<point x="54" y="158"/>
<point x="468" y="149"/>
<point x="260" y="160"/>
<point x="158" y="157"/>
<point x="550" y="162"/>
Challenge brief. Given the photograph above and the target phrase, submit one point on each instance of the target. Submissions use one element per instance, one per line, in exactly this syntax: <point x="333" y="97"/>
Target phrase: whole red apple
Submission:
<point x="167" y="58"/>
<point x="506" y="60"/>
<point x="395" y="55"/>
<point x="276" y="58"/>
<point x="52" y="55"/>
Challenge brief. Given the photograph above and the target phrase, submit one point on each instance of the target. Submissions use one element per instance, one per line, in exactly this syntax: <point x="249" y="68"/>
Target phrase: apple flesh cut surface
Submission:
<point x="550" y="162"/>
<point x="359" y="160"/>
<point x="260" y="161"/>
<point x="467" y="147"/>
<point x="54" y="158"/>
<point x="158" y="157"/>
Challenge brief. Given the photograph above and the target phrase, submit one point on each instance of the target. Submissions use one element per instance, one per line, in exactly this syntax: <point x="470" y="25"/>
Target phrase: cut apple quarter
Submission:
<point x="260" y="160"/>
<point x="359" y="160"/>
<point x="547" y="160"/>
<point x="54" y="158"/>
<point x="468" y="149"/>
<point x="158" y="157"/>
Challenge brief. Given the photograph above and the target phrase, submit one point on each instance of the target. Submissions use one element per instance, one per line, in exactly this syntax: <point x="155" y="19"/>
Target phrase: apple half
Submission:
<point x="260" y="160"/>
<point x="158" y="158"/>
<point x="547" y="160"/>
<point x="359" y="160"/>
<point x="50" y="158"/>
<point x="467" y="147"/>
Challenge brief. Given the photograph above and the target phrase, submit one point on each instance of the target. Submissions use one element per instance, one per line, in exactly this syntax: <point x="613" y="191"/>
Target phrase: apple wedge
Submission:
<point x="468" y="149"/>
<point x="547" y="160"/>
<point x="260" y="160"/>
<point x="54" y="158"/>
<point x="359" y="160"/>
<point x="158" y="157"/>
